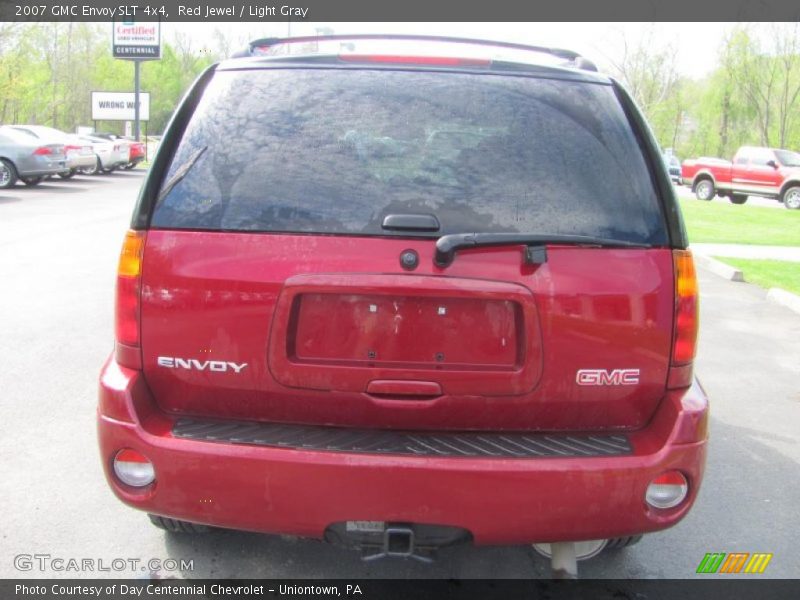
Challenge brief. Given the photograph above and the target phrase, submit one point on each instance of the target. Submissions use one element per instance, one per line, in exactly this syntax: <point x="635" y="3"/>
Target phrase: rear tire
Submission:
<point x="8" y="174"/>
<point x="704" y="190"/>
<point x="176" y="526"/>
<point x="622" y="542"/>
<point x="738" y="198"/>
<point x="31" y="181"/>
<point x="68" y="174"/>
<point x="791" y="198"/>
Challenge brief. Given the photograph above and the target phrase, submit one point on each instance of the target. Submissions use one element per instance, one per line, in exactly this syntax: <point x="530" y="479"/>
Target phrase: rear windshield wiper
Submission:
<point x="448" y="245"/>
<point x="181" y="172"/>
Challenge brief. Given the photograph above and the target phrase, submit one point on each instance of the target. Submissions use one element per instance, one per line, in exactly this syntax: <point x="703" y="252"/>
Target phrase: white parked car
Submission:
<point x="109" y="155"/>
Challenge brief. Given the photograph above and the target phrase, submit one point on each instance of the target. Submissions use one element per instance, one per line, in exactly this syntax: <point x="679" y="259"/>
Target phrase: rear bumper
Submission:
<point x="80" y="161"/>
<point x="302" y="492"/>
<point x="35" y="166"/>
<point x="113" y="160"/>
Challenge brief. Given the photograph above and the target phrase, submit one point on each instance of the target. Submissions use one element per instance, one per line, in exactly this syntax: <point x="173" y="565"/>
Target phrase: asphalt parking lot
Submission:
<point x="58" y="251"/>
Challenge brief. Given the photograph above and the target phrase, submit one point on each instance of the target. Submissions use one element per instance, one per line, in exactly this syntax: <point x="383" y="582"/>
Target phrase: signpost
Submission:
<point x="136" y="42"/>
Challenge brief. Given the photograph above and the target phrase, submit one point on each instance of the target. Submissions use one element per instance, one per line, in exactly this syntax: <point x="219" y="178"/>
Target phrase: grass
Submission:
<point x="714" y="222"/>
<point x="768" y="273"/>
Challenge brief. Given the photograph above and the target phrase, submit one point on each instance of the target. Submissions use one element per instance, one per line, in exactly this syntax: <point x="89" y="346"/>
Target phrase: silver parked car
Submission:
<point x="26" y="158"/>
<point x="79" y="154"/>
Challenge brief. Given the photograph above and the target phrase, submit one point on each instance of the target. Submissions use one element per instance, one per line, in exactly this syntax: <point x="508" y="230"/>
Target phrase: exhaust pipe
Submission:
<point x="564" y="561"/>
<point x="564" y="555"/>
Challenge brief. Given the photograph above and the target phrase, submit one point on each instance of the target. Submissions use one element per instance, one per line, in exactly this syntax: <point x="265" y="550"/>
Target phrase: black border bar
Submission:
<point x="716" y="586"/>
<point x="399" y="11"/>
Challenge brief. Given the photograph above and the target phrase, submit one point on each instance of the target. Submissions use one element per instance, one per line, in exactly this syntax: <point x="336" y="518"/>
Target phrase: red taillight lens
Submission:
<point x="128" y="283"/>
<point x="71" y="148"/>
<point x="684" y="342"/>
<point x="42" y="151"/>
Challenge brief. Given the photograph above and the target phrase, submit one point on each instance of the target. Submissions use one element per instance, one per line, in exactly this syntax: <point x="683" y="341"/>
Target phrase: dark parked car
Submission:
<point x="26" y="158"/>
<point x="673" y="165"/>
<point x="401" y="301"/>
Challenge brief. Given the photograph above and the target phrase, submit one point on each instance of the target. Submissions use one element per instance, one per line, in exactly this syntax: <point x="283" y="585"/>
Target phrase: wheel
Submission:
<point x="68" y="174"/>
<point x="177" y="526"/>
<point x="93" y="169"/>
<point x="31" y="181"/>
<point x="623" y="542"/>
<point x="8" y="174"/>
<point x="129" y="166"/>
<point x="108" y="170"/>
<point x="738" y="198"/>
<point x="791" y="198"/>
<point x="704" y="190"/>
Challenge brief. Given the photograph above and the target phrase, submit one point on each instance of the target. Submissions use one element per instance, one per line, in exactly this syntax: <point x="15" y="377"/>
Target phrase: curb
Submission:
<point x="720" y="268"/>
<point x="784" y="298"/>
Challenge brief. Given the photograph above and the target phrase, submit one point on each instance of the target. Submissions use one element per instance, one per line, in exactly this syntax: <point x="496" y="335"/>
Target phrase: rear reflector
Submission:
<point x="684" y="343"/>
<point x="133" y="468"/>
<point x="128" y="283"/>
<point x="667" y="490"/>
<point x="416" y="60"/>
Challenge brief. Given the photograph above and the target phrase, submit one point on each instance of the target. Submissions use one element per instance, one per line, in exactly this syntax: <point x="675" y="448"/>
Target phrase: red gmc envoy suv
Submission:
<point x="400" y="299"/>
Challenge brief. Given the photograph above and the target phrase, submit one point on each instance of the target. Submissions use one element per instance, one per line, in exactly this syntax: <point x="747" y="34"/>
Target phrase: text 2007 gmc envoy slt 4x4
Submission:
<point x="404" y="299"/>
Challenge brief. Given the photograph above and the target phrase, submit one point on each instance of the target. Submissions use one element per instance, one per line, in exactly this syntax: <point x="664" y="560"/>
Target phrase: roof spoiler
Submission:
<point x="262" y="45"/>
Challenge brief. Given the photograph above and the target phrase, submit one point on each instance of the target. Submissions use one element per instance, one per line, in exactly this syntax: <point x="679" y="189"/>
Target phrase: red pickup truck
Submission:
<point x="754" y="171"/>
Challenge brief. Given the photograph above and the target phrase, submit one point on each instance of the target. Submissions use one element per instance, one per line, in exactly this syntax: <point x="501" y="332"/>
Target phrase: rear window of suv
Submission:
<point x="332" y="151"/>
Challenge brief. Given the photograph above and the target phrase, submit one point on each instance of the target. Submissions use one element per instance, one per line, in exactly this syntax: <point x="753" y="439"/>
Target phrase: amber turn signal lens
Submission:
<point x="130" y="259"/>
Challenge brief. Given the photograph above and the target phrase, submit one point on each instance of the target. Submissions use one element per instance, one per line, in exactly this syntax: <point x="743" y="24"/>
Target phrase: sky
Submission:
<point x="696" y="44"/>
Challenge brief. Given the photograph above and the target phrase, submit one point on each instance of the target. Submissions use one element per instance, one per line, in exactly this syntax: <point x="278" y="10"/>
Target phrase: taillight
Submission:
<point x="42" y="151"/>
<point x="129" y="272"/>
<point x="684" y="343"/>
<point x="71" y="148"/>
